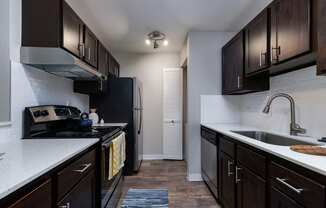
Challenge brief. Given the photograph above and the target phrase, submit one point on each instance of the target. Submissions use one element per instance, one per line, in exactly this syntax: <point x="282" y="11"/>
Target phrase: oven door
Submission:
<point x="108" y="187"/>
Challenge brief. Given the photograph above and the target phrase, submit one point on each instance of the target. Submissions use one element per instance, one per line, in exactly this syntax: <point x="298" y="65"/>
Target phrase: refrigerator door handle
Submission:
<point x="140" y="111"/>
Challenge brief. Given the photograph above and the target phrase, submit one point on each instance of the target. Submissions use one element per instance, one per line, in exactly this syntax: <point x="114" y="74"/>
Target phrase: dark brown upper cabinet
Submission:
<point x="72" y="39"/>
<point x="321" y="57"/>
<point x="90" y="42"/>
<point x="234" y="80"/>
<point x="114" y="67"/>
<point x="232" y="61"/>
<point x="103" y="60"/>
<point x="291" y="29"/>
<point x="257" y="43"/>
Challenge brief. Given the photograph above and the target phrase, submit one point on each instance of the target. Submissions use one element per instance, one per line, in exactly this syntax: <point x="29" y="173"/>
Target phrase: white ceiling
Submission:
<point x="123" y="25"/>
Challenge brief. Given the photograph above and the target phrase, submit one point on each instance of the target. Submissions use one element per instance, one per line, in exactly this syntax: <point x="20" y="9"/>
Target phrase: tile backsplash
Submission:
<point x="309" y="93"/>
<point x="30" y="86"/>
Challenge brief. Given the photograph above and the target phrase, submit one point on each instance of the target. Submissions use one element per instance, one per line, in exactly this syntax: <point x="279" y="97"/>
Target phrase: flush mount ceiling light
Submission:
<point x="156" y="38"/>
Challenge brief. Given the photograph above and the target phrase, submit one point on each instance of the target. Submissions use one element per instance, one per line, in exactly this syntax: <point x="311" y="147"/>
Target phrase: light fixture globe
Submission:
<point x="156" y="38"/>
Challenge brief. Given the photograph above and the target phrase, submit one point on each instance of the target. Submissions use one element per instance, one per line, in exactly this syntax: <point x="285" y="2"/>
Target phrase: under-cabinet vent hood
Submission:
<point x="59" y="62"/>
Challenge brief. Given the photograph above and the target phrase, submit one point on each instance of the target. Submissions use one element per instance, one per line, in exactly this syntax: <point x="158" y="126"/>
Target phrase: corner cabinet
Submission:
<point x="234" y="80"/>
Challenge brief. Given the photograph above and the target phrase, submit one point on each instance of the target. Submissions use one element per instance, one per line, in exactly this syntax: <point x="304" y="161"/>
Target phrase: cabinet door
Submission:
<point x="82" y="195"/>
<point x="233" y="64"/>
<point x="251" y="189"/>
<point x="90" y="42"/>
<point x="227" y="181"/>
<point x="257" y="53"/>
<point x="72" y="31"/>
<point x="41" y="197"/>
<point x="290" y="29"/>
<point x="321" y="57"/>
<point x="103" y="65"/>
<point x="280" y="200"/>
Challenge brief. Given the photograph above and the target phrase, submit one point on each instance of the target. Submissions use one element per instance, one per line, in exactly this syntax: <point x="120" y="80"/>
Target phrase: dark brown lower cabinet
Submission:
<point x="280" y="200"/>
<point x="71" y="185"/>
<point x="227" y="181"/>
<point x="251" y="189"/>
<point x="252" y="178"/>
<point x="41" y="197"/>
<point x="82" y="195"/>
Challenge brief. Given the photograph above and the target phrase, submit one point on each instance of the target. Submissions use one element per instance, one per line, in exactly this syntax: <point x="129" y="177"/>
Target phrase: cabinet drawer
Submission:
<point x="252" y="160"/>
<point x="227" y="146"/>
<point x="209" y="134"/>
<point x="305" y="191"/>
<point x="82" y="195"/>
<point x="40" y="197"/>
<point x="71" y="175"/>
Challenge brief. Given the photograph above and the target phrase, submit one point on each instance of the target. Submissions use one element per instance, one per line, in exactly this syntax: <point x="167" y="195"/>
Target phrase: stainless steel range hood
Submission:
<point x="59" y="62"/>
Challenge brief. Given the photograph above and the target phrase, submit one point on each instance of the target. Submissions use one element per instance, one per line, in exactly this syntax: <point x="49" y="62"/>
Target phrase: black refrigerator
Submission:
<point x="123" y="103"/>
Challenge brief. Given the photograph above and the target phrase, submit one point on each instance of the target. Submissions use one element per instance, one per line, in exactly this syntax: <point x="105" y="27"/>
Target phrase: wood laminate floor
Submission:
<point x="171" y="175"/>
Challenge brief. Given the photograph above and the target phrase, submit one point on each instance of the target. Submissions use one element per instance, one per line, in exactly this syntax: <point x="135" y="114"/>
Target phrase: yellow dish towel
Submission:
<point x="117" y="155"/>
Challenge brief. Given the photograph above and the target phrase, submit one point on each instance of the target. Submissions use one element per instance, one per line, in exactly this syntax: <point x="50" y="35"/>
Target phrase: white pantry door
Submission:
<point x="172" y="114"/>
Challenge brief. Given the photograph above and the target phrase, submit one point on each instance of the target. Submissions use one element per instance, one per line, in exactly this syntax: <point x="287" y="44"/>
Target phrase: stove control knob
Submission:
<point x="44" y="113"/>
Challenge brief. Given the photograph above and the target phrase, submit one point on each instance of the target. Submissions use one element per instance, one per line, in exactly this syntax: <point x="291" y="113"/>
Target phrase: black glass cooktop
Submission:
<point x="102" y="133"/>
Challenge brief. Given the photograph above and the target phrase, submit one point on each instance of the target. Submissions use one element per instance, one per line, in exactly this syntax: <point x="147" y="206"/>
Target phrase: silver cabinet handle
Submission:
<point x="82" y="49"/>
<point x="237" y="179"/>
<point x="85" y="167"/>
<point x="283" y="181"/>
<point x="260" y="59"/>
<point x="229" y="168"/>
<point x="65" y="206"/>
<point x="89" y="53"/>
<point x="238" y="82"/>
<point x="277" y="54"/>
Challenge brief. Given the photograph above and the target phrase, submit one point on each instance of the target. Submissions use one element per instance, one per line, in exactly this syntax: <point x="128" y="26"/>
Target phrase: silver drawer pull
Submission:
<point x="65" y="206"/>
<point x="283" y="181"/>
<point x="229" y="168"/>
<point x="85" y="167"/>
<point x="237" y="179"/>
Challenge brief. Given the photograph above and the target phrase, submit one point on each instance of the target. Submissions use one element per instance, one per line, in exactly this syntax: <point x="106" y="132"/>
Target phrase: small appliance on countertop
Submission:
<point x="66" y="122"/>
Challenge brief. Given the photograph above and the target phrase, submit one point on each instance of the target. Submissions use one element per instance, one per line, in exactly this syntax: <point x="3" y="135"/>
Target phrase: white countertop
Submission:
<point x="26" y="160"/>
<point x="314" y="163"/>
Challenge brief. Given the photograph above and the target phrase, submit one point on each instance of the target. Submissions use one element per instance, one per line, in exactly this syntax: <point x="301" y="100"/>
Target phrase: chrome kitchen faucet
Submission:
<point x="295" y="128"/>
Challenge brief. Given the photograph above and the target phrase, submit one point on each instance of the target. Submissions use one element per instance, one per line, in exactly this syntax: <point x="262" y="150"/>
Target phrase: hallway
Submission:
<point x="172" y="175"/>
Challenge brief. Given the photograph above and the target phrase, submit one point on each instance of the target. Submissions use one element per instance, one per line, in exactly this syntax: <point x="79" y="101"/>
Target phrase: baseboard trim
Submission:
<point x="153" y="157"/>
<point x="194" y="177"/>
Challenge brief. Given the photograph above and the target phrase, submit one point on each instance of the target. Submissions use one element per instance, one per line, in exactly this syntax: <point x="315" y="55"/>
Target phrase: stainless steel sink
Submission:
<point x="271" y="138"/>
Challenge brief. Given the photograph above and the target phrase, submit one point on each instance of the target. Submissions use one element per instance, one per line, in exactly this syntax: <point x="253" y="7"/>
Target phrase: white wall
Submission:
<point x="309" y="93"/>
<point x="30" y="86"/>
<point x="204" y="72"/>
<point x="148" y="68"/>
